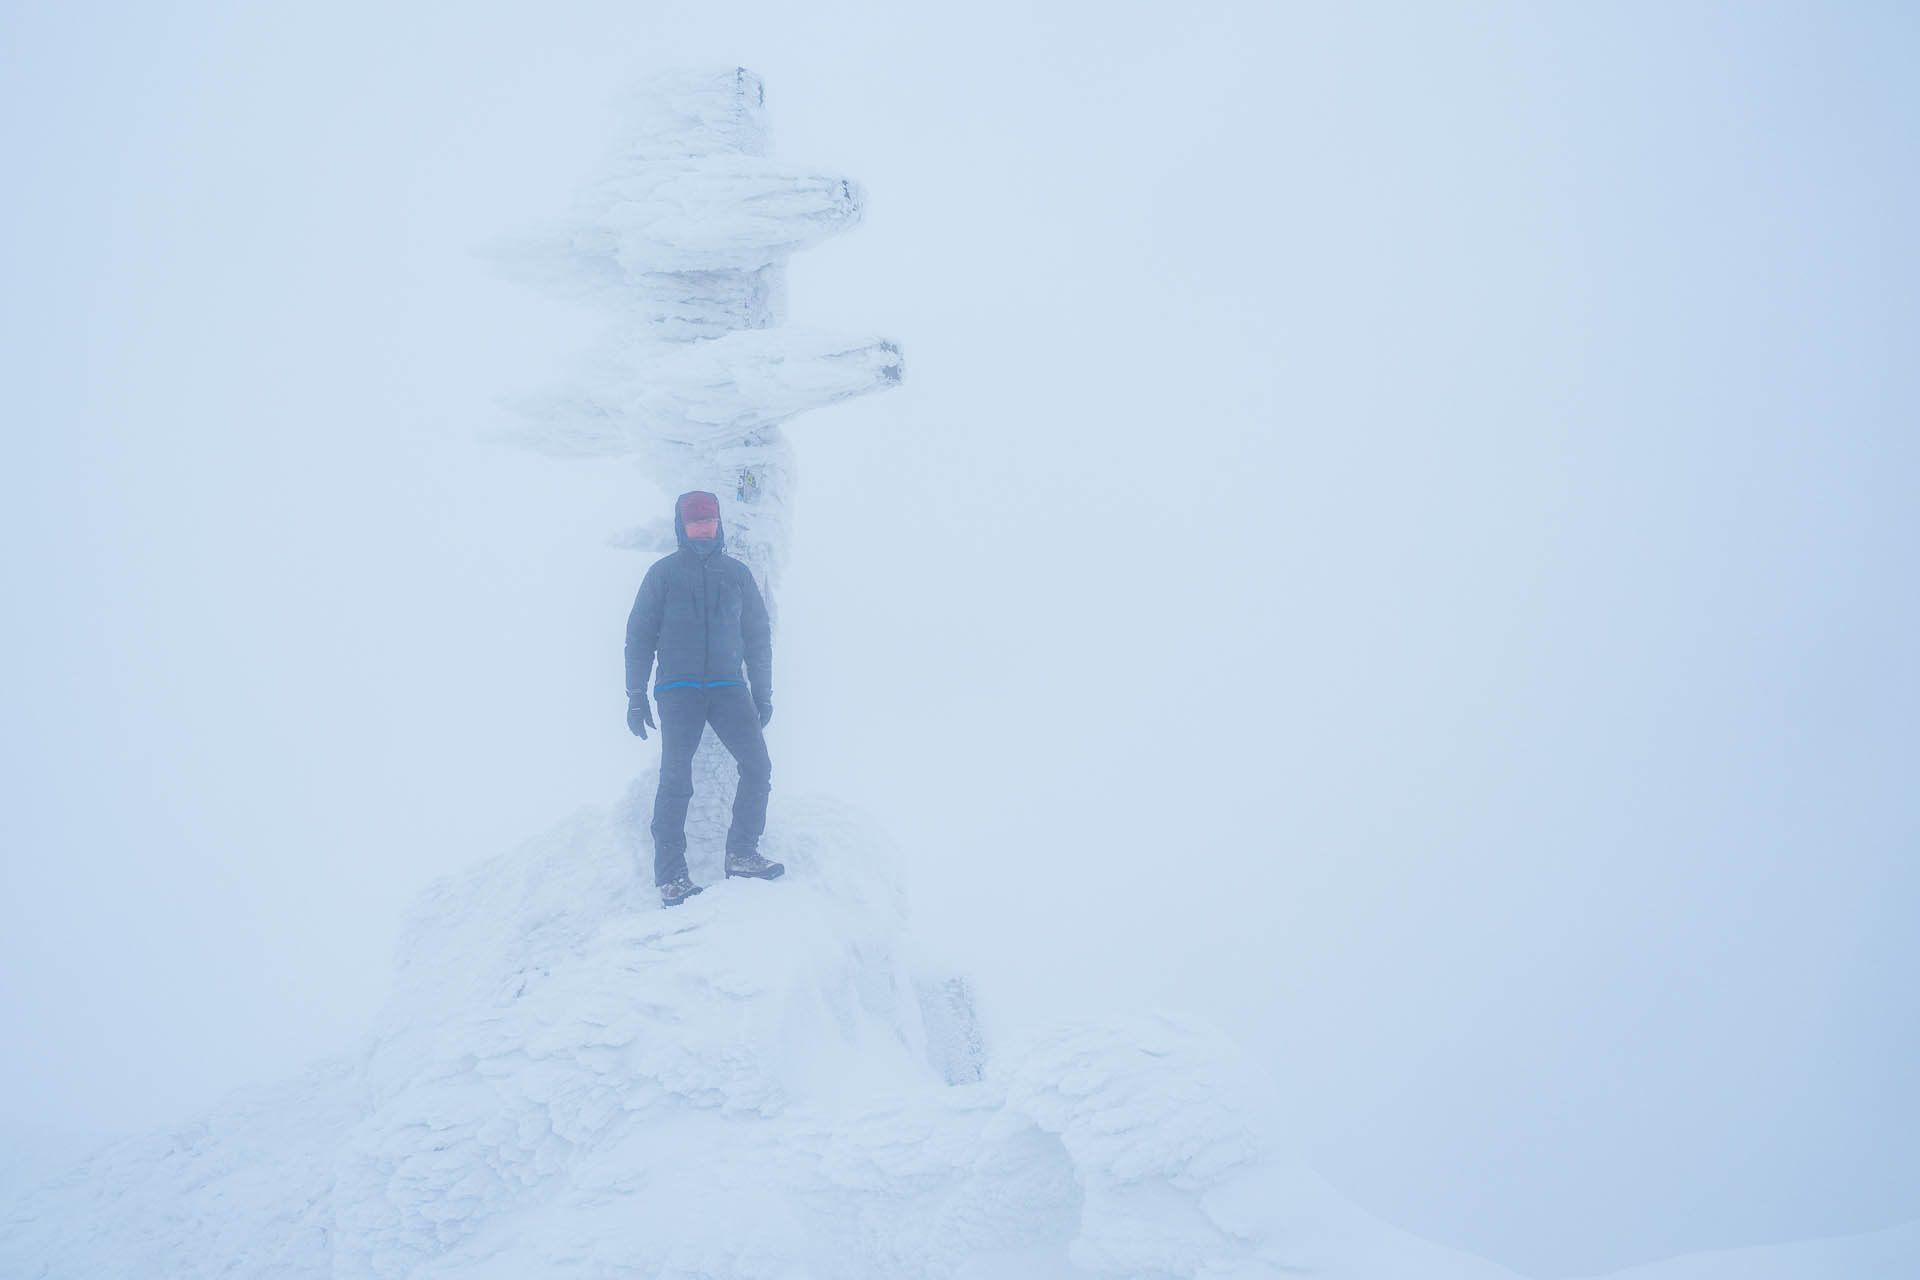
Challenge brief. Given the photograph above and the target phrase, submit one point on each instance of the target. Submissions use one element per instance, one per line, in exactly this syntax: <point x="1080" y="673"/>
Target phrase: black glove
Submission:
<point x="639" y="714"/>
<point x="765" y="707"/>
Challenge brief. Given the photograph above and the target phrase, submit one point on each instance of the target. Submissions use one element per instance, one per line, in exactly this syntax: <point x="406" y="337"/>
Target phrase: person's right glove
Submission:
<point x="765" y="707"/>
<point x="639" y="713"/>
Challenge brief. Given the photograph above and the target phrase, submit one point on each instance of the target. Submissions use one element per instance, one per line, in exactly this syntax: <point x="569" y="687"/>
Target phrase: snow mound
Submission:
<point x="570" y="1081"/>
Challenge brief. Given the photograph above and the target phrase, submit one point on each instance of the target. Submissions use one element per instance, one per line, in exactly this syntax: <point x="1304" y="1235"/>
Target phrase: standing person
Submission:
<point x="700" y="610"/>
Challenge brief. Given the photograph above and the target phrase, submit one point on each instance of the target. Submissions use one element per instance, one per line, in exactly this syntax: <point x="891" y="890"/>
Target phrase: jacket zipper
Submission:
<point x="706" y="625"/>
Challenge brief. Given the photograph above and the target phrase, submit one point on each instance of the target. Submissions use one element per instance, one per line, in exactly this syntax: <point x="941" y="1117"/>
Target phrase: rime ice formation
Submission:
<point x="568" y="1080"/>
<point x="684" y="241"/>
<point x="718" y="400"/>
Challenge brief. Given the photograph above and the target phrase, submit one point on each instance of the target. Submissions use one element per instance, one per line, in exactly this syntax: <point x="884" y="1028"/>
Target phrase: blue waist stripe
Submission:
<point x="695" y="684"/>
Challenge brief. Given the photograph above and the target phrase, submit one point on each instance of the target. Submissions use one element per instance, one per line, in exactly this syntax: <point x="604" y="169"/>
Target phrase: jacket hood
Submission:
<point x="680" y="506"/>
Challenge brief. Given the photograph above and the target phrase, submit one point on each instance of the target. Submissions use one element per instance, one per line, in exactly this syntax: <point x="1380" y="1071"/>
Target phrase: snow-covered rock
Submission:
<point x="570" y="1080"/>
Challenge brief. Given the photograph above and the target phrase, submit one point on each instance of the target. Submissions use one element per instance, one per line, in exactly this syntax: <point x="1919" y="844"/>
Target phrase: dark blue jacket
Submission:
<point x="703" y="616"/>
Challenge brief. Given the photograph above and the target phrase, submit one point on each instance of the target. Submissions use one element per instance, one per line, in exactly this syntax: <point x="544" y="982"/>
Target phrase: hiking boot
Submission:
<point x="752" y="864"/>
<point x="675" y="892"/>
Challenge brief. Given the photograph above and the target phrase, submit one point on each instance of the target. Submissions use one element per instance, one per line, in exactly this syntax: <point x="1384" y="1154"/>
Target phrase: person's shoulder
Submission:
<point x="663" y="565"/>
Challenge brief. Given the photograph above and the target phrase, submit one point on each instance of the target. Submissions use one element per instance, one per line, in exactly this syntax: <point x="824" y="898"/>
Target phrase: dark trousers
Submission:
<point x="684" y="715"/>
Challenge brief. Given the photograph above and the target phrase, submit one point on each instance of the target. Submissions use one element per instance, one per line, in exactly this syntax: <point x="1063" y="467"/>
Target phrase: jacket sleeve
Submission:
<point x="756" y="629"/>
<point x="643" y="629"/>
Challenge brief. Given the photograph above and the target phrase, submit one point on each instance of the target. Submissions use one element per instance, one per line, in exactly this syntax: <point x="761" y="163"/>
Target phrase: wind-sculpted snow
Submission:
<point x="569" y="1080"/>
<point x="690" y="245"/>
<point x="596" y="1019"/>
<point x="692" y="190"/>
<point x="242" y="1192"/>
<point x="724" y="211"/>
<point x="706" y="394"/>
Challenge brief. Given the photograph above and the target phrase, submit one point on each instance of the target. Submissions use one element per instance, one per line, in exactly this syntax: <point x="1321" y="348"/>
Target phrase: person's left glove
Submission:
<point x="639" y="713"/>
<point x="765" y="707"/>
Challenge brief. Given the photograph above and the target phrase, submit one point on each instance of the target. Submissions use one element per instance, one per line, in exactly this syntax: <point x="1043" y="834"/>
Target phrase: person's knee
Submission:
<point x="756" y="771"/>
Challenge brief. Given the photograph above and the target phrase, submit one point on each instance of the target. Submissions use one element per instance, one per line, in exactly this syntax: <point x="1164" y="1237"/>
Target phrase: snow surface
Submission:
<point x="569" y="1080"/>
<point x="1881" y="1255"/>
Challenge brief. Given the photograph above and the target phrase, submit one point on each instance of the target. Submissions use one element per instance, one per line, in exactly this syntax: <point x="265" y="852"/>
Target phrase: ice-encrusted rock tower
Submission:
<point x="685" y="239"/>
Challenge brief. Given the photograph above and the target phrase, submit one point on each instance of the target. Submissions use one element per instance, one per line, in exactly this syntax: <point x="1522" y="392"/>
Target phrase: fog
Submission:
<point x="1397" y="537"/>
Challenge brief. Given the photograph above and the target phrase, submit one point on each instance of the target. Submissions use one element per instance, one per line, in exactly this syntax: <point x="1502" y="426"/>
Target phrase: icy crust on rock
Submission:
<point x="570" y="1080"/>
